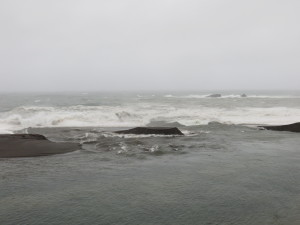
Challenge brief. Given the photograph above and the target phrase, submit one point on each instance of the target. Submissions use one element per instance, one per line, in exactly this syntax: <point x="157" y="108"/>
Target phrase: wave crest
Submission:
<point x="140" y="115"/>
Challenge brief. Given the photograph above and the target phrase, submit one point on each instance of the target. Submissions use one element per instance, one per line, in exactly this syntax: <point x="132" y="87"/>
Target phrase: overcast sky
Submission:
<point x="101" y="45"/>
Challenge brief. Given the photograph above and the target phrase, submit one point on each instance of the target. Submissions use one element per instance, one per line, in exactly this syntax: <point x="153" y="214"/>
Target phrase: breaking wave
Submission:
<point x="140" y="114"/>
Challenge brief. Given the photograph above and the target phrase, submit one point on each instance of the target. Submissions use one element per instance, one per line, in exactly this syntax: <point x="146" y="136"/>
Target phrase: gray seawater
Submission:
<point x="223" y="172"/>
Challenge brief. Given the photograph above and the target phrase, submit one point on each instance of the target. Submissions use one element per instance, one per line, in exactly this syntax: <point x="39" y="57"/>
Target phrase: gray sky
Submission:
<point x="101" y="45"/>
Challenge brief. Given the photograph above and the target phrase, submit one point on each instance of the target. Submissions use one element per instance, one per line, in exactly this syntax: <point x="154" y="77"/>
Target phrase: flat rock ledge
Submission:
<point x="294" y="127"/>
<point x="214" y="96"/>
<point x="152" y="130"/>
<point x="32" y="145"/>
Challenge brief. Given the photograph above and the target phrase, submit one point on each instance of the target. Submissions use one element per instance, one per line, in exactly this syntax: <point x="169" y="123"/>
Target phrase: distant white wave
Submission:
<point x="232" y="96"/>
<point x="140" y="114"/>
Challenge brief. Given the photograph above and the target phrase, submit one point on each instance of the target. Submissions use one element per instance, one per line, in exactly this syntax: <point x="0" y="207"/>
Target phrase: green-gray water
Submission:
<point x="217" y="174"/>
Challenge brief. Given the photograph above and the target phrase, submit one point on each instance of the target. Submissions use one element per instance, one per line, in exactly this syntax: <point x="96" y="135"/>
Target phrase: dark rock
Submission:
<point x="24" y="136"/>
<point x="31" y="145"/>
<point x="215" y="123"/>
<point x="214" y="96"/>
<point x="152" y="130"/>
<point x="243" y="95"/>
<point x="295" y="127"/>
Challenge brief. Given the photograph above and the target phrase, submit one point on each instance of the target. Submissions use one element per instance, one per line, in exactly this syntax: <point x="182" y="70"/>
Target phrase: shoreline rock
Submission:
<point x="152" y="130"/>
<point x="32" y="145"/>
<point x="294" y="127"/>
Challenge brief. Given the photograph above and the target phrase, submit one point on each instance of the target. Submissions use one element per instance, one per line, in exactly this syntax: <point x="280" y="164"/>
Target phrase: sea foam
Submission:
<point x="140" y="114"/>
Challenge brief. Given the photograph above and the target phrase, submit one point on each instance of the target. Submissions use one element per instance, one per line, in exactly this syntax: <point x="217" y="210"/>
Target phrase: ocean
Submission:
<point x="224" y="170"/>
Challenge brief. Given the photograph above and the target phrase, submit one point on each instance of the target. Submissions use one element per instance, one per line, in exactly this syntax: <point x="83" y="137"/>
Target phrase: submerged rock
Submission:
<point x="295" y="127"/>
<point x="31" y="145"/>
<point x="243" y="95"/>
<point x="214" y="96"/>
<point x="152" y="130"/>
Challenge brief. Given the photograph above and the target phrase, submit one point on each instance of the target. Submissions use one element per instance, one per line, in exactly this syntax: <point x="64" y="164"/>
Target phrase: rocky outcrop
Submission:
<point x="243" y="95"/>
<point x="214" y="96"/>
<point x="152" y="130"/>
<point x="295" y="127"/>
<point x="31" y="145"/>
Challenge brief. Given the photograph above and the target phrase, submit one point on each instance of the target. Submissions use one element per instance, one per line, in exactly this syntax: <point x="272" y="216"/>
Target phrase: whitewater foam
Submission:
<point x="140" y="114"/>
